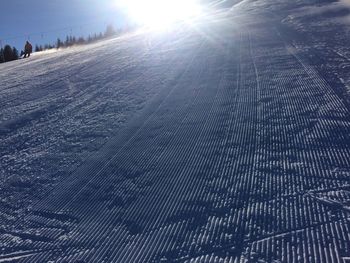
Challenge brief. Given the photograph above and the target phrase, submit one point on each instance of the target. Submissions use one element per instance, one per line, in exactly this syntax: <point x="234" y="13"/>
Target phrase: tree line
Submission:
<point x="9" y="53"/>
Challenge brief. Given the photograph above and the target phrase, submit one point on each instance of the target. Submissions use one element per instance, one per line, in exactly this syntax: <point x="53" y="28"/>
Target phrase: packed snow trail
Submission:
<point x="240" y="153"/>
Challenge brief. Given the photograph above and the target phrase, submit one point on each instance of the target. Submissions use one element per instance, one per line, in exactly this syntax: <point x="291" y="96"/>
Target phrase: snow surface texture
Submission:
<point x="223" y="142"/>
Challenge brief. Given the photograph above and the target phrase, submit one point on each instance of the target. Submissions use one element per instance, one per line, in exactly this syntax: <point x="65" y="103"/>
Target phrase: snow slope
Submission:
<point x="224" y="141"/>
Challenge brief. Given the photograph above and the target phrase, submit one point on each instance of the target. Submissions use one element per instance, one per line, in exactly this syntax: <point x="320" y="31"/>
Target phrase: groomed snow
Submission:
<point x="226" y="140"/>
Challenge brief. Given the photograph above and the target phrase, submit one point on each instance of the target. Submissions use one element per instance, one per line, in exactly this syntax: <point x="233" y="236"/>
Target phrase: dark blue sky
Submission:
<point x="45" y="20"/>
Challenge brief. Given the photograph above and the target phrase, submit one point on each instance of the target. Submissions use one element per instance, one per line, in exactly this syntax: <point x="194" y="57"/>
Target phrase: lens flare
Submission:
<point x="160" y="13"/>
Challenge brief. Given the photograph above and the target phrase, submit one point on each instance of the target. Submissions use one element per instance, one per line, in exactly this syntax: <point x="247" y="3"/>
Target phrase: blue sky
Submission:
<point x="45" y="20"/>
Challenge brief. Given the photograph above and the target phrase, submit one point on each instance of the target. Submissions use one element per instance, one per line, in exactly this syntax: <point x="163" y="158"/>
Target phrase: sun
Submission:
<point x="160" y="13"/>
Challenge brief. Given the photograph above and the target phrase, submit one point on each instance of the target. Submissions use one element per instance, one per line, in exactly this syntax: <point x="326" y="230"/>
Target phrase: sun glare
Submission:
<point x="161" y="13"/>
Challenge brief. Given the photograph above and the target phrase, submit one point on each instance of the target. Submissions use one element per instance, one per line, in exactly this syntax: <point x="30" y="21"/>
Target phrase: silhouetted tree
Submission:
<point x="15" y="54"/>
<point x="68" y="41"/>
<point x="8" y="53"/>
<point x="59" y="43"/>
<point x="2" y="59"/>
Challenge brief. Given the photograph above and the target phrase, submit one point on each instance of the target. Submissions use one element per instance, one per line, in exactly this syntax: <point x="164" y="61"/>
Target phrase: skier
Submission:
<point x="28" y="49"/>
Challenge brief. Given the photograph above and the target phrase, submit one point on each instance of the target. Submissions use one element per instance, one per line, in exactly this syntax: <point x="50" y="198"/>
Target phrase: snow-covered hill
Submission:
<point x="226" y="140"/>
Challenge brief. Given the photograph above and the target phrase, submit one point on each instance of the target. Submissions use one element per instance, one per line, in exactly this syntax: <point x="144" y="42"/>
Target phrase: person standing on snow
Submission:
<point x="28" y="49"/>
